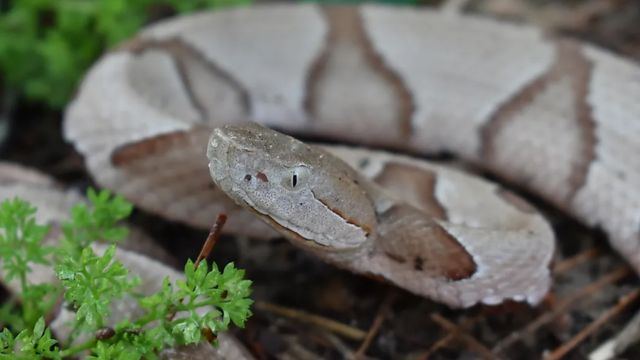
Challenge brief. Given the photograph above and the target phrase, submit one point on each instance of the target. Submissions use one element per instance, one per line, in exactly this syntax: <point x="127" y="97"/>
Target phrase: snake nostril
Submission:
<point x="247" y="177"/>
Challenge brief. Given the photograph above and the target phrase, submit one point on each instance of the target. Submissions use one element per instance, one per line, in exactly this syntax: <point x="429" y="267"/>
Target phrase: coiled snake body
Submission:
<point x="555" y="116"/>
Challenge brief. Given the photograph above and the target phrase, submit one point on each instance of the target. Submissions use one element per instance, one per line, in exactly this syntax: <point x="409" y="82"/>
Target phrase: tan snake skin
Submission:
<point x="555" y="116"/>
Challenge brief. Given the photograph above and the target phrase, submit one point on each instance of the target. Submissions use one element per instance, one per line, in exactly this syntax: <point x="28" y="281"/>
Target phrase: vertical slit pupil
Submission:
<point x="294" y="180"/>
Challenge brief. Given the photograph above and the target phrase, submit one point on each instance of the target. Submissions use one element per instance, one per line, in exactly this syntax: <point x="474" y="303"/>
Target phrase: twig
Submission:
<point x="206" y="249"/>
<point x="212" y="239"/>
<point x="337" y="344"/>
<point x="620" y="342"/>
<point x="297" y="350"/>
<point x="469" y="340"/>
<point x="445" y="340"/>
<point x="442" y="342"/>
<point x="331" y="325"/>
<point x="565" y="265"/>
<point x="383" y="310"/>
<point x="622" y="304"/>
<point x="561" y="308"/>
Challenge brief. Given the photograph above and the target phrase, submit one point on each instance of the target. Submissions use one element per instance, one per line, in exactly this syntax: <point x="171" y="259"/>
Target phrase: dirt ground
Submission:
<point x="292" y="289"/>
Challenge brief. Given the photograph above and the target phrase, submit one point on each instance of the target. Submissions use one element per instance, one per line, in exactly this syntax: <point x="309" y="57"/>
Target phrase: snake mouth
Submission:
<point x="289" y="234"/>
<point x="350" y="221"/>
<point x="293" y="236"/>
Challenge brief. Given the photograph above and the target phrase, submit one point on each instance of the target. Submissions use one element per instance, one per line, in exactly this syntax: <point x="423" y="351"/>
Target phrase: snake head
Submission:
<point x="310" y="196"/>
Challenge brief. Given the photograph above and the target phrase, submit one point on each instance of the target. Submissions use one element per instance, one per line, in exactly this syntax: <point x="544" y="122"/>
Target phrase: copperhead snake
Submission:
<point x="552" y="115"/>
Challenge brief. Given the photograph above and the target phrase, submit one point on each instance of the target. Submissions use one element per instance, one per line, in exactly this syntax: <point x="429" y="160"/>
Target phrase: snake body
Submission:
<point x="552" y="115"/>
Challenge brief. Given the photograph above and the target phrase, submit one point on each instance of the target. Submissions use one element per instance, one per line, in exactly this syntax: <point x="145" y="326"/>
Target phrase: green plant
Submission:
<point x="90" y="282"/>
<point x="46" y="45"/>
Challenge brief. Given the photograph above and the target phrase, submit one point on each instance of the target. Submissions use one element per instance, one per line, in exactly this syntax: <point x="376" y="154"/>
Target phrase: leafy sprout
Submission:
<point x="31" y="344"/>
<point x="182" y="312"/>
<point x="92" y="283"/>
<point x="98" y="222"/>
<point x="21" y="247"/>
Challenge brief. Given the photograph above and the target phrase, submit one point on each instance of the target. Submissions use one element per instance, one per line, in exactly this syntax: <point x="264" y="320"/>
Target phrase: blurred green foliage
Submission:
<point x="46" y="45"/>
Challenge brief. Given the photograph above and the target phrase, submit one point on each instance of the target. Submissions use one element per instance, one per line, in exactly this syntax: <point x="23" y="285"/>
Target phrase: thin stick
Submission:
<point x="337" y="344"/>
<point x="442" y="342"/>
<point x="562" y="307"/>
<point x="331" y="325"/>
<point x="622" y="304"/>
<point x="445" y="340"/>
<point x="212" y="238"/>
<point x="580" y="258"/>
<point x="383" y="310"/>
<point x="471" y="342"/>
<point x="620" y="342"/>
<point x="207" y="248"/>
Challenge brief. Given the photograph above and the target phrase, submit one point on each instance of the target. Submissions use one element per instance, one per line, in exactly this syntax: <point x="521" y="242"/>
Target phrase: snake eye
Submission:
<point x="296" y="178"/>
